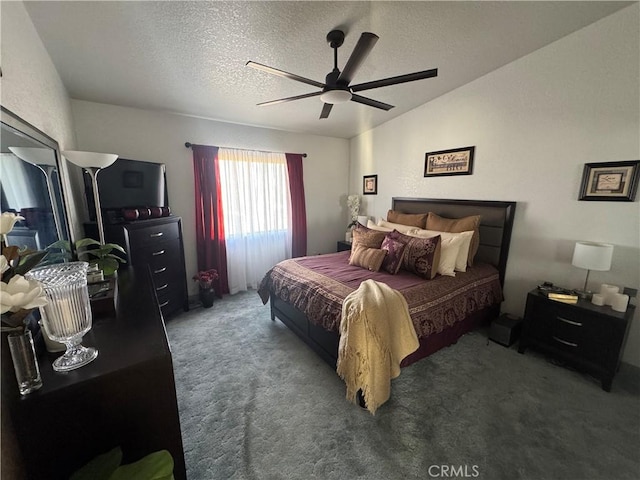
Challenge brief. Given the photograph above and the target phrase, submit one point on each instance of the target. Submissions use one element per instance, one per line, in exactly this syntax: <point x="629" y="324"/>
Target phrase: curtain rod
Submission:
<point x="189" y="145"/>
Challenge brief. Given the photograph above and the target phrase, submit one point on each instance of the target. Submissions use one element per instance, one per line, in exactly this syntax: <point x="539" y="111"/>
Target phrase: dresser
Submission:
<point x="126" y="397"/>
<point x="587" y="336"/>
<point x="157" y="243"/>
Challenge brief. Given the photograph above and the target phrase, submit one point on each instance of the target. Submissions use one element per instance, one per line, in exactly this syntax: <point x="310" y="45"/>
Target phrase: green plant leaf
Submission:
<point x="29" y="261"/>
<point x="60" y="245"/>
<point x="114" y="246"/>
<point x="119" y="259"/>
<point x="101" y="467"/>
<point x="155" y="466"/>
<point x="85" y="242"/>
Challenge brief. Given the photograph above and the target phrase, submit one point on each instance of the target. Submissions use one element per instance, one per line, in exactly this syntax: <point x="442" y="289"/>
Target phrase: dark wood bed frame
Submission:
<point x="496" y="224"/>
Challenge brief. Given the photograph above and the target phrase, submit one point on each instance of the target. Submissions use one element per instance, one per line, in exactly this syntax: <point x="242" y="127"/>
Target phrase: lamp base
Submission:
<point x="583" y="294"/>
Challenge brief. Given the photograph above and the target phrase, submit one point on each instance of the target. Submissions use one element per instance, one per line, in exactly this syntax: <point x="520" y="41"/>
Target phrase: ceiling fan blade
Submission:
<point x="282" y="73"/>
<point x="326" y="110"/>
<point x="289" y="99"/>
<point x="385" y="82"/>
<point x="363" y="47"/>
<point x="371" y="102"/>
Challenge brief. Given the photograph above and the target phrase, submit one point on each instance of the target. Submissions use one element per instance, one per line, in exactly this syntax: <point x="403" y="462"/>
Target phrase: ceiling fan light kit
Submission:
<point x="337" y="88"/>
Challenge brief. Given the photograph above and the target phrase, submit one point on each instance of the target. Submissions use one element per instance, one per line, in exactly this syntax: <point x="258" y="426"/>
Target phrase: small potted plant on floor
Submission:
<point x="205" y="281"/>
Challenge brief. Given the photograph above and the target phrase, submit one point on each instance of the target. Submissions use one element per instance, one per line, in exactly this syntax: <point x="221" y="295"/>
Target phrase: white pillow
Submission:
<point x="463" y="251"/>
<point x="449" y="248"/>
<point x="371" y="224"/>
<point x="406" y="229"/>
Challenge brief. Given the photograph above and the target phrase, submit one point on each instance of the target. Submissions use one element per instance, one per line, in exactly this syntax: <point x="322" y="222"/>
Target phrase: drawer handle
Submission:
<point x="570" y="322"/>
<point x="160" y="270"/>
<point x="565" y="342"/>
<point x="159" y="234"/>
<point x="162" y="305"/>
<point x="162" y="287"/>
<point x="160" y="252"/>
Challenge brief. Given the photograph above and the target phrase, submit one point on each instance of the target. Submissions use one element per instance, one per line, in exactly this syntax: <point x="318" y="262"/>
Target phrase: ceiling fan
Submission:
<point x="337" y="88"/>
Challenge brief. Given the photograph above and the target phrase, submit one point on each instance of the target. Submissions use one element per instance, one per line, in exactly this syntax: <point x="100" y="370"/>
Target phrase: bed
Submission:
<point x="306" y="293"/>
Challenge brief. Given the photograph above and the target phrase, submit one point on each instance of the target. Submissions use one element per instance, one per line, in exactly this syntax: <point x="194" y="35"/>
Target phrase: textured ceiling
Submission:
<point x="189" y="57"/>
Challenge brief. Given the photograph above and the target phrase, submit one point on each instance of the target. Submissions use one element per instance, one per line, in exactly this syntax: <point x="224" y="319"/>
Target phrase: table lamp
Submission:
<point x="45" y="160"/>
<point x="92" y="162"/>
<point x="592" y="256"/>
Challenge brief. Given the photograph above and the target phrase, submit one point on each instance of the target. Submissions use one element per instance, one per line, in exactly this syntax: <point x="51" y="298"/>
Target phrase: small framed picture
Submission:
<point x="370" y="185"/>
<point x="458" y="161"/>
<point x="610" y="181"/>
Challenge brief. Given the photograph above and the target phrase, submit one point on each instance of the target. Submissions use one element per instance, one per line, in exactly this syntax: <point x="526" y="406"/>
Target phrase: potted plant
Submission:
<point x="205" y="281"/>
<point x="101" y="255"/>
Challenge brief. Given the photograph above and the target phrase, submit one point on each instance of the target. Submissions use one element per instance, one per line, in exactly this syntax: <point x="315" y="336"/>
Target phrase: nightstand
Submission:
<point x="343" y="246"/>
<point x="587" y="336"/>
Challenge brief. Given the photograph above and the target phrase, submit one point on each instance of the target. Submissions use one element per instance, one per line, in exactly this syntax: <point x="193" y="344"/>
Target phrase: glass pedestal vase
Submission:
<point x="207" y="296"/>
<point x="25" y="363"/>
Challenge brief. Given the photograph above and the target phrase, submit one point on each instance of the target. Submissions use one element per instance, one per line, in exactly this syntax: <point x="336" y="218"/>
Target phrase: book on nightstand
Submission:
<point x="563" y="297"/>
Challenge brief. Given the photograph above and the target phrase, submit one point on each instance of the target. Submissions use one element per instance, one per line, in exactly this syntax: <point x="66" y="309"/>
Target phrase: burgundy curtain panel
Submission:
<point x="210" y="242"/>
<point x="298" y="208"/>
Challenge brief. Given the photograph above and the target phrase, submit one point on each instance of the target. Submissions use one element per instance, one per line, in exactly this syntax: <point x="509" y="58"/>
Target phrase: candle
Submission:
<point x="597" y="299"/>
<point x="608" y="291"/>
<point x="619" y="302"/>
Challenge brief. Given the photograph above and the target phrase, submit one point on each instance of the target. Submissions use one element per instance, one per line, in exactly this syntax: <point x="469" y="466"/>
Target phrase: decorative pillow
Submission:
<point x="449" y="248"/>
<point x="463" y="251"/>
<point x="396" y="226"/>
<point x="421" y="255"/>
<point x="412" y="219"/>
<point x="366" y="237"/>
<point x="457" y="225"/>
<point x="372" y="226"/>
<point x="369" y="258"/>
<point x="395" y="251"/>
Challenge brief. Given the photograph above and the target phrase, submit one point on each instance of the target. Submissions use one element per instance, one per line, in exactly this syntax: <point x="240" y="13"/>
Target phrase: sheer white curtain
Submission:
<point x="255" y="201"/>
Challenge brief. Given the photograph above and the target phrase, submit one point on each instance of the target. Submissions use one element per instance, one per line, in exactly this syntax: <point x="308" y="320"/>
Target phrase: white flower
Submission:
<point x="4" y="264"/>
<point x="353" y="202"/>
<point x="7" y="221"/>
<point x="21" y="293"/>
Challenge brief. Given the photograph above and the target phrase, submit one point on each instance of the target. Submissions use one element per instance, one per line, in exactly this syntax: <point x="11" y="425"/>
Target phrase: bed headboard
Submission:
<point x="496" y="223"/>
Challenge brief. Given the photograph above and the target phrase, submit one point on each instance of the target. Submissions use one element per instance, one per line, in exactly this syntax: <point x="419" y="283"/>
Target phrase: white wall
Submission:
<point x="160" y="137"/>
<point x="30" y="86"/>
<point x="535" y="123"/>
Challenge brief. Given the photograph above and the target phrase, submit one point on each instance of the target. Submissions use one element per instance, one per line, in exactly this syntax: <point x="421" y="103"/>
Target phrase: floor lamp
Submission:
<point x="92" y="162"/>
<point x="45" y="160"/>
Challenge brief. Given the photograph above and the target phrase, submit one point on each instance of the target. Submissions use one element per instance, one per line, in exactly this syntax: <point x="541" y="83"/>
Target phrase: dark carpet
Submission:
<point x="256" y="403"/>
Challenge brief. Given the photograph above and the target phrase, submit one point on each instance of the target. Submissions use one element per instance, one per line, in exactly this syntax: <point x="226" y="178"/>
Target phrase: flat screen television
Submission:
<point x="128" y="184"/>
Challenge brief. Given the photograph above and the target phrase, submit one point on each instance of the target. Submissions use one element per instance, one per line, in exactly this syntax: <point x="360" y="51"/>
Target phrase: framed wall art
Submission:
<point x="610" y="181"/>
<point x="458" y="161"/>
<point x="370" y="185"/>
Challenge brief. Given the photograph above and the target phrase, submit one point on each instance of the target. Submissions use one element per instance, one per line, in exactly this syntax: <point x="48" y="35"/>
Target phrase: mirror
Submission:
<point x="30" y="184"/>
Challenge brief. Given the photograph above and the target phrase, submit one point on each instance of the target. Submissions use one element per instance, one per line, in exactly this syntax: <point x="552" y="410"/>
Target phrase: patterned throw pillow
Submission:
<point x="395" y="251"/>
<point x="421" y="255"/>
<point x="366" y="237"/>
<point x="369" y="258"/>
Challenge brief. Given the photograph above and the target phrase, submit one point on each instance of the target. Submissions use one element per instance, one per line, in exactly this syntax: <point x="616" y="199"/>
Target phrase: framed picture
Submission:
<point x="458" y="161"/>
<point x="370" y="185"/>
<point x="610" y="181"/>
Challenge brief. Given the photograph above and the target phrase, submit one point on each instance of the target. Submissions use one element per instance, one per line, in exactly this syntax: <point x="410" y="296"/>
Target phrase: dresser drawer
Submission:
<point x="152" y="234"/>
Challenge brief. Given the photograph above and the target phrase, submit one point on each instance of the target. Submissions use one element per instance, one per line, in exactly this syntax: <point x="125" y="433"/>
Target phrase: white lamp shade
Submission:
<point x="35" y="156"/>
<point x="592" y="256"/>
<point x="363" y="220"/>
<point x="90" y="159"/>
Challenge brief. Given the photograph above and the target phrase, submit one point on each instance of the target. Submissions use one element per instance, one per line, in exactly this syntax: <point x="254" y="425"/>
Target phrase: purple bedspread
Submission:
<point x="317" y="286"/>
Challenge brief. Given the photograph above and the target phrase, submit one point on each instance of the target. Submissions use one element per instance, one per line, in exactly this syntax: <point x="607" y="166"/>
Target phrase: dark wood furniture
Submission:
<point x="495" y="235"/>
<point x="125" y="397"/>
<point x="157" y="243"/>
<point x="587" y="336"/>
<point x="343" y="246"/>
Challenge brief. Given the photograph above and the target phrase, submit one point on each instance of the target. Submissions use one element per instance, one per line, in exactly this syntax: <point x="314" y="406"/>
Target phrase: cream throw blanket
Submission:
<point x="376" y="333"/>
